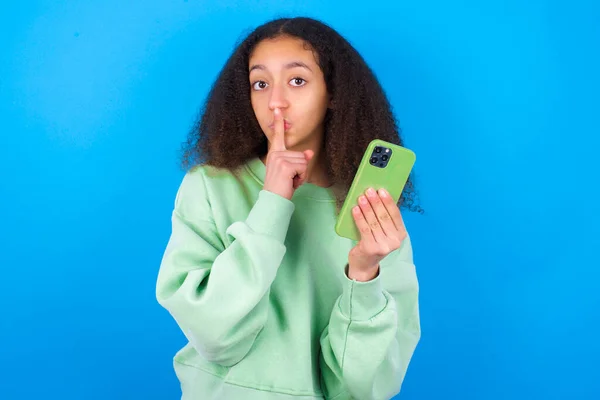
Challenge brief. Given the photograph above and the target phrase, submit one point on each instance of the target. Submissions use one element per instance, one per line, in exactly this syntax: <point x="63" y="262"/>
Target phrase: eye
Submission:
<point x="259" y="85"/>
<point x="298" y="82"/>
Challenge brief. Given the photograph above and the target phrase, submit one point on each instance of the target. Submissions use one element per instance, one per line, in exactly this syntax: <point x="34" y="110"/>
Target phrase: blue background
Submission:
<point x="498" y="99"/>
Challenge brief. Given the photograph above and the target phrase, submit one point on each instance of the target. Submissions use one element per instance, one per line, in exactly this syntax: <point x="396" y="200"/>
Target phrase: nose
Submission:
<point x="278" y="97"/>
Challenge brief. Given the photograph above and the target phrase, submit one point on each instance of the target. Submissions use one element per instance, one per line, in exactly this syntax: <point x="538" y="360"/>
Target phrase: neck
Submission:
<point x="316" y="173"/>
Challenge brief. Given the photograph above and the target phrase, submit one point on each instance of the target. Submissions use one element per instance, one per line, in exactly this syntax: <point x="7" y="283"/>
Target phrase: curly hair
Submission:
<point x="227" y="134"/>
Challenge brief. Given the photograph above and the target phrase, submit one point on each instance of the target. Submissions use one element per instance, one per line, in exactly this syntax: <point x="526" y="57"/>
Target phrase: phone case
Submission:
<point x="391" y="176"/>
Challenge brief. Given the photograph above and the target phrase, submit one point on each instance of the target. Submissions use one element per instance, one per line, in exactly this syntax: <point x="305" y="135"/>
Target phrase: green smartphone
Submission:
<point x="384" y="165"/>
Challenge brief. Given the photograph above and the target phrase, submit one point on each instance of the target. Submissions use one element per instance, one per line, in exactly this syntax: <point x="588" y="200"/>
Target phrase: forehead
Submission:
<point x="281" y="49"/>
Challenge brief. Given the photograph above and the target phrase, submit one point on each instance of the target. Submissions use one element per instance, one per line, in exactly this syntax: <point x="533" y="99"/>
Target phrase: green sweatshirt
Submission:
<point x="257" y="284"/>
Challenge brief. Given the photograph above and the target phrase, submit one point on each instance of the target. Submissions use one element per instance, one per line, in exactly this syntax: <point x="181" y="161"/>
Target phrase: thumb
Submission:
<point x="303" y="177"/>
<point x="308" y="154"/>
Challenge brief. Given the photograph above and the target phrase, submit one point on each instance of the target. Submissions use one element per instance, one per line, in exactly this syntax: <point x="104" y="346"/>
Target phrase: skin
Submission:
<point x="285" y="75"/>
<point x="381" y="230"/>
<point x="289" y="98"/>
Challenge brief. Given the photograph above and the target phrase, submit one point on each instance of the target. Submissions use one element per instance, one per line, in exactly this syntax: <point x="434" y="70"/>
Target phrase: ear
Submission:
<point x="330" y="104"/>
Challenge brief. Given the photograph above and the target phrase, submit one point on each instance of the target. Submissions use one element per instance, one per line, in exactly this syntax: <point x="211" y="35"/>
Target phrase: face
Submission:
<point x="284" y="74"/>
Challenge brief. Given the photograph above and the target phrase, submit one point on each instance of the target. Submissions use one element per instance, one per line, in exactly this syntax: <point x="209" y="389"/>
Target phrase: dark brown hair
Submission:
<point x="227" y="134"/>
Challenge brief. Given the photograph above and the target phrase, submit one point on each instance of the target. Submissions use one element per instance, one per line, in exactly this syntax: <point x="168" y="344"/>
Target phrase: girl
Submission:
<point x="273" y="303"/>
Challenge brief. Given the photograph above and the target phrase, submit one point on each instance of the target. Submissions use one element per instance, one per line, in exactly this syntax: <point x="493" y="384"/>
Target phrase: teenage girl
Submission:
<point x="274" y="304"/>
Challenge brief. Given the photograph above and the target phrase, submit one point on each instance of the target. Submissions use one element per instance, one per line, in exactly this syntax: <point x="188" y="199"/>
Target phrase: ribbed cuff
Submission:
<point x="362" y="300"/>
<point x="271" y="215"/>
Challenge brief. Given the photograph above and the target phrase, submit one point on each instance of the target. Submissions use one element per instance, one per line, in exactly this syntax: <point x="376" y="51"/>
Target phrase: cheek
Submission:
<point x="314" y="109"/>
<point x="259" y="111"/>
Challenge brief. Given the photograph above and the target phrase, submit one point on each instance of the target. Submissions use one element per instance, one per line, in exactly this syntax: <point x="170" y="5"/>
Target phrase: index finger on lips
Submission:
<point x="278" y="142"/>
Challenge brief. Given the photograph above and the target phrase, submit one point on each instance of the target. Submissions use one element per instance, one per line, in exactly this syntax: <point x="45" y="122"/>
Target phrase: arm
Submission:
<point x="217" y="295"/>
<point x="373" y="331"/>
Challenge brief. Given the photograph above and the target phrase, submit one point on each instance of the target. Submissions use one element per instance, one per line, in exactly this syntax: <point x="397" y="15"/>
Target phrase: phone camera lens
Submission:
<point x="384" y="157"/>
<point x="377" y="149"/>
<point x="373" y="160"/>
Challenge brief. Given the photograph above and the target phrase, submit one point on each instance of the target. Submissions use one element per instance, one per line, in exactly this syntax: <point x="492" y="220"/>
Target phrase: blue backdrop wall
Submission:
<point x="499" y="100"/>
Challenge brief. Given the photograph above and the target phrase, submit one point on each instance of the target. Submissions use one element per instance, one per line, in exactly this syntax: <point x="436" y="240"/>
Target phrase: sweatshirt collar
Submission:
<point x="308" y="190"/>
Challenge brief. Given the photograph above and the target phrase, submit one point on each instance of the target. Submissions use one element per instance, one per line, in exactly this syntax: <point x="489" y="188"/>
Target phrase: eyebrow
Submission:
<point x="293" y="64"/>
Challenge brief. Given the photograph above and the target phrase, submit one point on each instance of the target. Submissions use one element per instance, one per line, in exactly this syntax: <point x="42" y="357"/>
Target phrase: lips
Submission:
<point x="286" y="125"/>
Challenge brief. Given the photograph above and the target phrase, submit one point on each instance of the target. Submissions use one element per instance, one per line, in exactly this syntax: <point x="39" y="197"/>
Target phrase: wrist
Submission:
<point x="362" y="275"/>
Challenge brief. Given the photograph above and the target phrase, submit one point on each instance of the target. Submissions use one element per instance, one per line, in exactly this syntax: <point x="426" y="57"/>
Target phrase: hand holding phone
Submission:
<point x="383" y="166"/>
<point x="381" y="229"/>
<point x="370" y="213"/>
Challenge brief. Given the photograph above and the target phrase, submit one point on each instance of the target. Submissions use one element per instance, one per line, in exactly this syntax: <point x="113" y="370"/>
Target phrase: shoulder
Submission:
<point x="192" y="197"/>
<point x="197" y="178"/>
<point x="193" y="183"/>
<point x="202" y="183"/>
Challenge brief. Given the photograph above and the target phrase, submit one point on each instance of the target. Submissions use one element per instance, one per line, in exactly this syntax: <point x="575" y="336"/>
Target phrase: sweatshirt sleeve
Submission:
<point x="219" y="296"/>
<point x="373" y="331"/>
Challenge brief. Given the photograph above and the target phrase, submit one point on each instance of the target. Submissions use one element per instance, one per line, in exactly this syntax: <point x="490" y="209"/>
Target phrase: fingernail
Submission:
<point x="370" y="192"/>
<point x="383" y="193"/>
<point x="362" y="200"/>
<point x="356" y="210"/>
